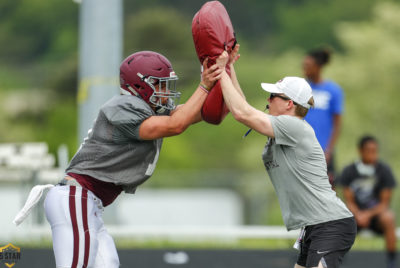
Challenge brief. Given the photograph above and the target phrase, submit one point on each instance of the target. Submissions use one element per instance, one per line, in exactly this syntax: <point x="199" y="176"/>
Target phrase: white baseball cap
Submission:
<point x="296" y="88"/>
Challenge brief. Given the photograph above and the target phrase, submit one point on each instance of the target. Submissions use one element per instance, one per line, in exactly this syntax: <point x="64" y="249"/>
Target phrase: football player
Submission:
<point x="119" y="153"/>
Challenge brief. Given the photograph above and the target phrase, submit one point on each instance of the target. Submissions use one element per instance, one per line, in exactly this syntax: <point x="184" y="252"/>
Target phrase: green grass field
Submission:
<point x="361" y="243"/>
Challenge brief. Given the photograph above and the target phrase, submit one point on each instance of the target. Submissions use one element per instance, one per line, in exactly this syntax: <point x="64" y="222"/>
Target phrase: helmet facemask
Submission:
<point x="164" y="97"/>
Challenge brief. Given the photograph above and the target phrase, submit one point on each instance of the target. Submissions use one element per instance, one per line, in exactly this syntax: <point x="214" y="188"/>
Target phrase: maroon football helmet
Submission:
<point x="141" y="72"/>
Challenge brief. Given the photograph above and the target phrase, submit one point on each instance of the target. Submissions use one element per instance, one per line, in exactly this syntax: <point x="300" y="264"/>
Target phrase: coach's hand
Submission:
<point x="234" y="55"/>
<point x="223" y="59"/>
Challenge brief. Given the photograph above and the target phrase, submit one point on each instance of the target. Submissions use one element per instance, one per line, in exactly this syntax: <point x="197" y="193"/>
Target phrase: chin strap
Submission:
<point x="160" y="110"/>
<point x="129" y="91"/>
<point x="123" y="91"/>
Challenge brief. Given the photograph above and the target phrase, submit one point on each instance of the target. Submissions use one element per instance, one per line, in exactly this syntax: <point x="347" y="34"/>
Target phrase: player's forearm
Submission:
<point x="353" y="207"/>
<point x="378" y="209"/>
<point x="176" y="109"/>
<point x="156" y="127"/>
<point x="383" y="205"/>
<point x="350" y="202"/>
<point x="188" y="113"/>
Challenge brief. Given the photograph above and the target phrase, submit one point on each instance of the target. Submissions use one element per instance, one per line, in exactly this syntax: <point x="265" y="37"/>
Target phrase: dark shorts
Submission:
<point x="327" y="242"/>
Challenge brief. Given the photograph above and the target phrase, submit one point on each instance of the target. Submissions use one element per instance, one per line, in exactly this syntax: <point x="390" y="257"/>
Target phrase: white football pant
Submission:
<point x="79" y="236"/>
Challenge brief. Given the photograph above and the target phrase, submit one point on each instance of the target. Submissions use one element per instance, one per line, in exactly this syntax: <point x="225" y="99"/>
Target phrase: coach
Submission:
<point x="296" y="166"/>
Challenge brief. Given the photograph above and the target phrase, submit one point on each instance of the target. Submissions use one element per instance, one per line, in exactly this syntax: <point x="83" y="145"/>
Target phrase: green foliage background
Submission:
<point x="38" y="80"/>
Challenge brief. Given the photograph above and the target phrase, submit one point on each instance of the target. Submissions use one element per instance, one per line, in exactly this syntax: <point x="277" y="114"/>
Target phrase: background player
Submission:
<point x="368" y="187"/>
<point x="119" y="154"/>
<point x="326" y="116"/>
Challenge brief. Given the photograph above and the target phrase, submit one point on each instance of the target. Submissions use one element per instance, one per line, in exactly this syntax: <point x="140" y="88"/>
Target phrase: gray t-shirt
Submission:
<point x="113" y="151"/>
<point x="296" y="166"/>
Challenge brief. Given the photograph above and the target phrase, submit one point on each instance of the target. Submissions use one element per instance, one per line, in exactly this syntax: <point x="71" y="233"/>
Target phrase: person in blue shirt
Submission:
<point x="326" y="117"/>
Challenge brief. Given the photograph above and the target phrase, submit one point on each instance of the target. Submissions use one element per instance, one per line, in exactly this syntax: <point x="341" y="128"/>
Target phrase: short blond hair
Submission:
<point x="301" y="110"/>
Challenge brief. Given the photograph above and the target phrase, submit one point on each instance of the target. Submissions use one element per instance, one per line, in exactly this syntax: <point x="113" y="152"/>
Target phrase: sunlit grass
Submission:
<point x="362" y="243"/>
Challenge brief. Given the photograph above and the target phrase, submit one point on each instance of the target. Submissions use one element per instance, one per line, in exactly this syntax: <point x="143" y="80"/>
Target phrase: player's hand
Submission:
<point x="211" y="74"/>
<point x="234" y="55"/>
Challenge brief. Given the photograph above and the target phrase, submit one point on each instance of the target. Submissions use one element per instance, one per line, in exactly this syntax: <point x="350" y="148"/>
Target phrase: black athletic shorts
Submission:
<point x="327" y="242"/>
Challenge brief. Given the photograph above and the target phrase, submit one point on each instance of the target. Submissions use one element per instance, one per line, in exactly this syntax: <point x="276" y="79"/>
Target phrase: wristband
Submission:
<point x="204" y="87"/>
<point x="205" y="90"/>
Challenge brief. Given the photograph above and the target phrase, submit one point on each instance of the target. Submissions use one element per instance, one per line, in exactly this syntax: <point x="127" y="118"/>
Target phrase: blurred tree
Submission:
<point x="168" y="32"/>
<point x="38" y="58"/>
<point x="366" y="70"/>
<point x="310" y="23"/>
<point x="43" y="36"/>
<point x="162" y="29"/>
<point x="263" y="16"/>
<point x="31" y="29"/>
<point x="64" y="78"/>
<point x="39" y="50"/>
<point x="368" y="73"/>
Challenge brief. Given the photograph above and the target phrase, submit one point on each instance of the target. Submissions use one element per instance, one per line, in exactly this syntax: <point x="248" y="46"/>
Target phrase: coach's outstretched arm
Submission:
<point x="240" y="109"/>
<point x="156" y="127"/>
<point x="233" y="57"/>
